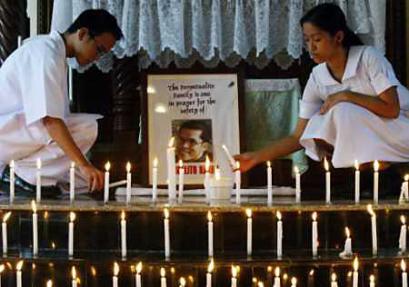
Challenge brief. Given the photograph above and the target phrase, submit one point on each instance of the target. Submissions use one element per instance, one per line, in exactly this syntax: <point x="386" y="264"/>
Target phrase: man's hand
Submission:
<point x="247" y="160"/>
<point x="94" y="176"/>
<point x="332" y="100"/>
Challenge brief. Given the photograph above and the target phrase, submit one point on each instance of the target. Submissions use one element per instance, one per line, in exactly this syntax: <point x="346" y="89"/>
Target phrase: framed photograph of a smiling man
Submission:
<point x="201" y="113"/>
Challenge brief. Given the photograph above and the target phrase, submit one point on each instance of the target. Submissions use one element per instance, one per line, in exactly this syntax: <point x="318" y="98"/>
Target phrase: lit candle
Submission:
<point x="355" y="274"/>
<point x="4" y="233"/>
<point x="19" y="275"/>
<point x="348" y="243"/>
<point x="260" y="284"/>
<point x="123" y="235"/>
<point x="71" y="235"/>
<point x="374" y="232"/>
<point x="297" y="184"/>
<point x="115" y="277"/>
<point x="279" y="235"/>
<point x="228" y="154"/>
<point x="371" y="280"/>
<point x="237" y="177"/>
<point x="357" y="182"/>
<point x="404" y="273"/>
<point x="162" y="277"/>
<point x="249" y="231"/>
<point x="138" y="279"/>
<point x="35" y="228"/>
<point x="209" y="274"/>
<point x="106" y="185"/>
<point x="38" y="181"/>
<point x="404" y="194"/>
<point x="73" y="277"/>
<point x="170" y="155"/>
<point x="334" y="282"/>
<point x="293" y="282"/>
<point x="1" y="271"/>
<point x="72" y="181"/>
<point x="327" y="182"/>
<point x="375" y="181"/>
<point x="210" y="233"/>
<point x="182" y="282"/>
<point x="166" y="232"/>
<point x="402" y="236"/>
<point x="12" y="181"/>
<point x="314" y="234"/>
<point x="128" y="182"/>
<point x="277" y="280"/>
<point x="155" y="180"/>
<point x="269" y="184"/>
<point x="181" y="178"/>
<point x="206" y="182"/>
<point x="49" y="283"/>
<point x="233" y="276"/>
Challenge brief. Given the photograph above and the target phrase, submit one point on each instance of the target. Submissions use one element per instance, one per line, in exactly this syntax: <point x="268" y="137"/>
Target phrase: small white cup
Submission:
<point x="220" y="190"/>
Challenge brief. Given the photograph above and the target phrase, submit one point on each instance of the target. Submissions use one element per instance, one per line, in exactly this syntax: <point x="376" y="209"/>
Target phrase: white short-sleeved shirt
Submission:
<point x="33" y="81"/>
<point x="367" y="72"/>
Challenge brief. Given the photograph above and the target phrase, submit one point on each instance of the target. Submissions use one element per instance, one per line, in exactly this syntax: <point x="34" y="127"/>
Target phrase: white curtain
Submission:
<point x="209" y="31"/>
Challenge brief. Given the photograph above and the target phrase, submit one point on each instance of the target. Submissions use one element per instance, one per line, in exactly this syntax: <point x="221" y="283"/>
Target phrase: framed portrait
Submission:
<point x="201" y="113"/>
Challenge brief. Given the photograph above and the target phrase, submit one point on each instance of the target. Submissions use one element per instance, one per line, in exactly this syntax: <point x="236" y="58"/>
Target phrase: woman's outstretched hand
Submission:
<point x="247" y="160"/>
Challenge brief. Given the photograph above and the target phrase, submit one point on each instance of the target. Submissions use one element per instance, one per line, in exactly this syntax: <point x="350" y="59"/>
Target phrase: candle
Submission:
<point x="19" y="275"/>
<point x="115" y="277"/>
<point x="210" y="233"/>
<point x="123" y="235"/>
<point x="72" y="181"/>
<point x="181" y="178"/>
<point x="297" y="184"/>
<point x="314" y="234"/>
<point x="18" y="41"/>
<point x="1" y="271"/>
<point x="210" y="268"/>
<point x="327" y="182"/>
<point x="404" y="194"/>
<point x="404" y="273"/>
<point x="166" y="232"/>
<point x="106" y="182"/>
<point x="207" y="179"/>
<point x="293" y="282"/>
<point x="375" y="181"/>
<point x="38" y="181"/>
<point x="228" y="154"/>
<point x="155" y="180"/>
<point x="138" y="279"/>
<point x="277" y="280"/>
<point x="162" y="277"/>
<point x="237" y="177"/>
<point x="249" y="231"/>
<point x="128" y="182"/>
<point x="71" y="234"/>
<point x="233" y="276"/>
<point x="182" y="282"/>
<point x="12" y="181"/>
<point x="334" y="282"/>
<point x="374" y="232"/>
<point x="355" y="274"/>
<point x="170" y="155"/>
<point x="269" y="184"/>
<point x="357" y="182"/>
<point x="35" y="228"/>
<point x="402" y="236"/>
<point x="371" y="280"/>
<point x="4" y="232"/>
<point x="49" y="283"/>
<point x="74" y="277"/>
<point x="348" y="243"/>
<point x="260" y="284"/>
<point x="279" y="235"/>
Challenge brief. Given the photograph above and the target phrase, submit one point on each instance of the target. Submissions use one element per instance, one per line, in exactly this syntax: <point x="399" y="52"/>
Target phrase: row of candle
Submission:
<point x="234" y="276"/>
<point x="166" y="225"/>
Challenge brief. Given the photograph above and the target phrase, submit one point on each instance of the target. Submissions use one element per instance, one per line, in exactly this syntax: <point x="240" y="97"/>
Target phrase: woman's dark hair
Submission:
<point x="97" y="21"/>
<point x="330" y="18"/>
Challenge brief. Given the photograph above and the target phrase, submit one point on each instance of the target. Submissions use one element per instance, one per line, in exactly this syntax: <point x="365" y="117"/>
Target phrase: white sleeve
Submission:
<point x="379" y="70"/>
<point x="42" y="86"/>
<point x="311" y="102"/>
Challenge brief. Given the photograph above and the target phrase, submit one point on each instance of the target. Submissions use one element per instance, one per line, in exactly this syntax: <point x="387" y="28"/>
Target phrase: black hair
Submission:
<point x="198" y="125"/>
<point x="330" y="18"/>
<point x="97" y="21"/>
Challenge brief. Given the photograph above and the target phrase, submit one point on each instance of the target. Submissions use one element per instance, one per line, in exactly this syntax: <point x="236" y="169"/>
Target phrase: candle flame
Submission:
<point x="268" y="163"/>
<point x="248" y="212"/>
<point x="294" y="281"/>
<point x="181" y="166"/>
<point x="403" y="219"/>
<point x="209" y="216"/>
<point x="171" y="142"/>
<point x="277" y="271"/>
<point x="73" y="273"/>
<point x="139" y="267"/>
<point x="403" y="265"/>
<point x="155" y="162"/>
<point x="210" y="267"/>
<point x="116" y="269"/>
<point x="182" y="281"/>
<point x="372" y="278"/>
<point x="12" y="163"/>
<point x="285" y="276"/>
<point x="128" y="167"/>
<point x="348" y="234"/>
<point x="233" y="271"/>
<point x="166" y="213"/>
<point x="72" y="216"/>
<point x="355" y="264"/>
<point x="296" y="170"/>
<point x="49" y="283"/>
<point x="6" y="216"/>
<point x="107" y="166"/>
<point x="207" y="163"/>
<point x="33" y="206"/>
<point x="1" y="268"/>
<point x="19" y="265"/>
<point x="326" y="165"/>
<point x="162" y="272"/>
<point x="260" y="284"/>
<point x="406" y="178"/>
<point x="73" y="164"/>
<point x="278" y="214"/>
<point x="356" y="165"/>
<point x="376" y="165"/>
<point x="238" y="165"/>
<point x="314" y="216"/>
<point x="123" y="215"/>
<point x="38" y="163"/>
<point x="217" y="173"/>
<point x="334" y="277"/>
<point x="370" y="210"/>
